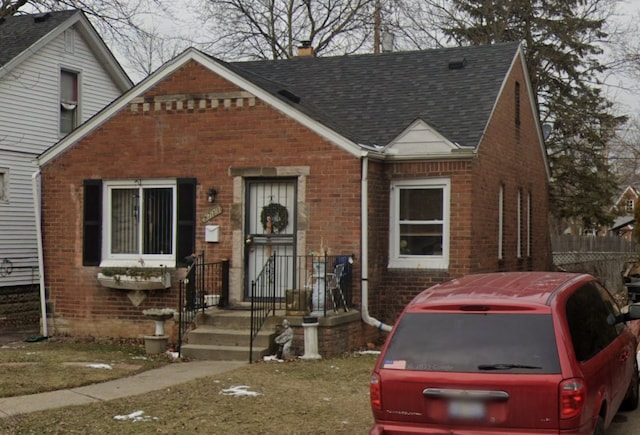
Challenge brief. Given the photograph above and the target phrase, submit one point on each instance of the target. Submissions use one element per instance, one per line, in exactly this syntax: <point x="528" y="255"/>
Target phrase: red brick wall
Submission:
<point x="512" y="157"/>
<point x="201" y="143"/>
<point x="392" y="289"/>
<point x="509" y="156"/>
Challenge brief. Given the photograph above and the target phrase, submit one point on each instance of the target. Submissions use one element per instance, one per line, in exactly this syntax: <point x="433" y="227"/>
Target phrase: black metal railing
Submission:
<point x="314" y="283"/>
<point x="263" y="299"/>
<point x="203" y="285"/>
<point x="302" y="285"/>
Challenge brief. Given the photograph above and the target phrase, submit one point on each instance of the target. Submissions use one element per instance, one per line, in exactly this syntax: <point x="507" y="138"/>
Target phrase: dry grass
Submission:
<point x="328" y="396"/>
<point x="27" y="368"/>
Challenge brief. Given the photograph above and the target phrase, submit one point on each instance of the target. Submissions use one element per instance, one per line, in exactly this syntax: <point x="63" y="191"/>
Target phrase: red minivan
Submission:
<point x="507" y="353"/>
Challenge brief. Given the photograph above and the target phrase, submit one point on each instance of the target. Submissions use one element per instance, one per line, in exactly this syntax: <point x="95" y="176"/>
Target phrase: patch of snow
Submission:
<point x="99" y="366"/>
<point x="174" y="356"/>
<point x="135" y="416"/>
<point x="239" y="390"/>
<point x="369" y="352"/>
<point x="268" y="358"/>
<point x="139" y="357"/>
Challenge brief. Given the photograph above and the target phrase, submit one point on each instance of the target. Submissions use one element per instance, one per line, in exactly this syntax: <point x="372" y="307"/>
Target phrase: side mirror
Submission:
<point x="634" y="312"/>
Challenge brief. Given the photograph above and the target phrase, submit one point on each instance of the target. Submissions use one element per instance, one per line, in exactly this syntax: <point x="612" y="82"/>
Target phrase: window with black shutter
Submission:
<point x="144" y="222"/>
<point x="92" y="229"/>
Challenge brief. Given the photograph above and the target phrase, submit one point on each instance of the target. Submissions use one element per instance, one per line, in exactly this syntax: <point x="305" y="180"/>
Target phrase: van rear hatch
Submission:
<point x="472" y="369"/>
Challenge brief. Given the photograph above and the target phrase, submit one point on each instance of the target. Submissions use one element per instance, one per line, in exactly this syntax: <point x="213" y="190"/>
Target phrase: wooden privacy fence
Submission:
<point x="603" y="257"/>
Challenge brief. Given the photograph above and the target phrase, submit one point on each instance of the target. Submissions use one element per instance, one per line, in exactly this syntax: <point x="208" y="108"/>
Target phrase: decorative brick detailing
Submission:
<point x="189" y="102"/>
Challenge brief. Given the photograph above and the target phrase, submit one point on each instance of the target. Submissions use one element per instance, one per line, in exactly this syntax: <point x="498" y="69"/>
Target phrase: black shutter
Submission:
<point x="92" y="230"/>
<point x="186" y="219"/>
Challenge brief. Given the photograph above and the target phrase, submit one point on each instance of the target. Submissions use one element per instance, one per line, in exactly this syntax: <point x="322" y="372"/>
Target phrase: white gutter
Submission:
<point x="364" y="218"/>
<point x="43" y="297"/>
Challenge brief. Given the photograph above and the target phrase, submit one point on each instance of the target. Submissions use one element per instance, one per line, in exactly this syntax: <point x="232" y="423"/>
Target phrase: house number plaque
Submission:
<point x="213" y="212"/>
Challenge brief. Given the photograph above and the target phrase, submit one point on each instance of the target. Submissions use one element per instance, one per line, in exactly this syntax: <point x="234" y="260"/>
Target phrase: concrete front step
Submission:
<point x="224" y="335"/>
<point x="227" y="337"/>
<point x="233" y="319"/>
<point x="221" y="353"/>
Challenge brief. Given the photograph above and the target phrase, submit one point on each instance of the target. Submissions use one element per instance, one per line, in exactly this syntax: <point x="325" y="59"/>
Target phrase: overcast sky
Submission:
<point x="624" y="90"/>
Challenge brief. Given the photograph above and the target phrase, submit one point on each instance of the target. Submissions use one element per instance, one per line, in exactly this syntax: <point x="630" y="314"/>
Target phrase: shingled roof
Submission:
<point x="372" y="98"/>
<point x="19" y="32"/>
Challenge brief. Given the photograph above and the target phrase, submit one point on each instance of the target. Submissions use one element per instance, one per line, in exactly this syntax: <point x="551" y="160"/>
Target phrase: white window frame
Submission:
<point x="397" y="260"/>
<point x="76" y="111"/>
<point x="135" y="260"/>
<point x="629" y="205"/>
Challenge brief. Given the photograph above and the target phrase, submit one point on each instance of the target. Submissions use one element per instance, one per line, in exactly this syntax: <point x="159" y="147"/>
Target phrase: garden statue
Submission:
<point x="284" y="341"/>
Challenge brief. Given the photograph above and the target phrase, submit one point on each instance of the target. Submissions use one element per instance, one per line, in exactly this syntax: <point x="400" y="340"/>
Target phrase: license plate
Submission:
<point x="466" y="410"/>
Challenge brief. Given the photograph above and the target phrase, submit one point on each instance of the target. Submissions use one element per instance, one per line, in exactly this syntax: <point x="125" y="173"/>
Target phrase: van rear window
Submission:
<point x="474" y="343"/>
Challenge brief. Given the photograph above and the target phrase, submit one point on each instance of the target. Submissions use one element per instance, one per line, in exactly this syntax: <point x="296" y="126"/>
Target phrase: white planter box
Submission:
<point x="125" y="282"/>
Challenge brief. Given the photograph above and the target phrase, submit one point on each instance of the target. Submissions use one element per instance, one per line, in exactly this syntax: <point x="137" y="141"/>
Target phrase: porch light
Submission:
<point x="211" y="195"/>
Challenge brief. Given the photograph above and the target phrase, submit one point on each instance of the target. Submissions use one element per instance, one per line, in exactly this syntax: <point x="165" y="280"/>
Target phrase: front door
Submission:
<point x="270" y="229"/>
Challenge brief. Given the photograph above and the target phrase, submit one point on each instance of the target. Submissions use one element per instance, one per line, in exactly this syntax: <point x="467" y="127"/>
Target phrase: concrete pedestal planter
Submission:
<point x="155" y="344"/>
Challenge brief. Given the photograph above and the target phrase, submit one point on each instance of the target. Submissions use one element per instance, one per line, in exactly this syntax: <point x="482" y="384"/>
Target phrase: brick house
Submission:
<point x="422" y="165"/>
<point x="624" y="211"/>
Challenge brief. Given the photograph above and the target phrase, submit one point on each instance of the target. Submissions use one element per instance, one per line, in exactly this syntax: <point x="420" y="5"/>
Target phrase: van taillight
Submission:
<point x="374" y="392"/>
<point x="572" y="396"/>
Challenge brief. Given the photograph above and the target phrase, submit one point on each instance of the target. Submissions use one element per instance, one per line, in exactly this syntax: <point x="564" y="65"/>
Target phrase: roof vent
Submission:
<point x="457" y="63"/>
<point x="289" y="95"/>
<point x="39" y="18"/>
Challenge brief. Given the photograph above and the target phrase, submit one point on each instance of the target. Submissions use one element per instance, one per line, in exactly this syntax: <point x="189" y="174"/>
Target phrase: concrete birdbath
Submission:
<point x="157" y="343"/>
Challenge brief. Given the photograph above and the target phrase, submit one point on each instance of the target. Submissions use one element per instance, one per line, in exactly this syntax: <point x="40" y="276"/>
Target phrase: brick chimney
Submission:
<point x="305" y="49"/>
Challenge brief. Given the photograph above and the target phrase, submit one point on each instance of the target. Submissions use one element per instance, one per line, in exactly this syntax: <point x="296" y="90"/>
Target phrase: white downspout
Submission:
<point x="364" y="218"/>
<point x="36" y="207"/>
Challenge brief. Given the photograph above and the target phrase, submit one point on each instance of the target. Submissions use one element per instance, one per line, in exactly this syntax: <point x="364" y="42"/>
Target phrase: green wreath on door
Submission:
<point x="279" y="217"/>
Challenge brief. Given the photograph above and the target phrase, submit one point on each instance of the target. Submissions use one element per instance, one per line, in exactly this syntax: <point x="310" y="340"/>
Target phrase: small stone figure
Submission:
<point x="284" y="341"/>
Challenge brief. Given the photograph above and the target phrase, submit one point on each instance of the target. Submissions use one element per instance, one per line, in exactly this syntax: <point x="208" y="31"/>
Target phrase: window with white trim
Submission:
<point x="628" y="206"/>
<point x="419" y="236"/>
<point x="68" y="101"/>
<point x="139" y="217"/>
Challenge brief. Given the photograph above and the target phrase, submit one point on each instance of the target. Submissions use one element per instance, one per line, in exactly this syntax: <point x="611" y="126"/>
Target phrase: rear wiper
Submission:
<point x="506" y="367"/>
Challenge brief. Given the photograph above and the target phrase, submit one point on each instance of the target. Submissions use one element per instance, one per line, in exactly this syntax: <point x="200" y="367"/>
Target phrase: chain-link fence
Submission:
<point x="604" y="257"/>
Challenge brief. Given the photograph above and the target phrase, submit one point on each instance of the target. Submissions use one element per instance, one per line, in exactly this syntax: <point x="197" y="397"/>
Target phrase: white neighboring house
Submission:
<point x="55" y="73"/>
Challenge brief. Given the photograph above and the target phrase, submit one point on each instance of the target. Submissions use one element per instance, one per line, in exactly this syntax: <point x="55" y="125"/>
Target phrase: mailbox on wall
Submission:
<point x="212" y="233"/>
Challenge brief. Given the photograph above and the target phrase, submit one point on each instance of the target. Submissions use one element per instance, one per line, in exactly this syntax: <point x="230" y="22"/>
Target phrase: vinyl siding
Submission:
<point x="29" y="124"/>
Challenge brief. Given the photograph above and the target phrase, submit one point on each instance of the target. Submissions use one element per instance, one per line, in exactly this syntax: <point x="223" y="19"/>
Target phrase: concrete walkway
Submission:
<point x="150" y="380"/>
